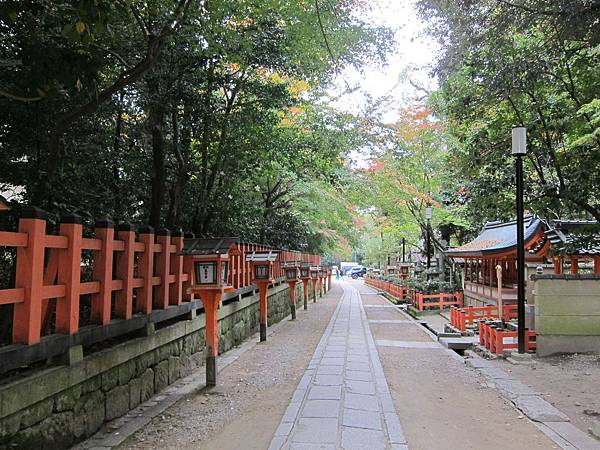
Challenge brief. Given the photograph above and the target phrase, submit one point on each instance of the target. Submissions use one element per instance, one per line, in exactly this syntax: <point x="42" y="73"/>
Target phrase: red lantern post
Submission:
<point x="262" y="272"/>
<point x="305" y="277"/>
<point x="209" y="262"/>
<point x="292" y="276"/>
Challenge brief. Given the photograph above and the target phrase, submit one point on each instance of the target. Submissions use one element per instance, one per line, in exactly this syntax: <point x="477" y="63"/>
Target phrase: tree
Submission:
<point x="532" y="64"/>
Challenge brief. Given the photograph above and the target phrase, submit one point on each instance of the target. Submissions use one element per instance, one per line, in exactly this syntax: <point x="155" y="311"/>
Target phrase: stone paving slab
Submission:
<point x="345" y="401"/>
<point x="410" y="322"/>
<point x="538" y="409"/>
<point x="406" y="344"/>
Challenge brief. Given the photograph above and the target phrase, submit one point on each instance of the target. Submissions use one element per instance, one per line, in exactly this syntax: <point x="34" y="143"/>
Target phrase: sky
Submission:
<point x="412" y="57"/>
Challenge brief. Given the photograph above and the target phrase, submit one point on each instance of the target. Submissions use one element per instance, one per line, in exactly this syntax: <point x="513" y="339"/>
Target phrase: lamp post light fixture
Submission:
<point x="519" y="149"/>
<point x="206" y="262"/>
<point x="428" y="215"/>
<point x="262" y="270"/>
<point x="292" y="276"/>
<point x="323" y="280"/>
<point x="314" y="277"/>
<point x="305" y="277"/>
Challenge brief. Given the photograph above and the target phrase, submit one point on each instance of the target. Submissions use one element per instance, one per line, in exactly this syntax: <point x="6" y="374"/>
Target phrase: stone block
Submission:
<point x="135" y="392"/>
<point x="56" y="432"/>
<point x="95" y="414"/>
<point x="126" y="372"/>
<point x="161" y="375"/>
<point x="185" y="365"/>
<point x="117" y="402"/>
<point x="147" y="387"/>
<point x="9" y="426"/>
<point x="538" y="409"/>
<point x="568" y="325"/>
<point x="91" y="407"/>
<point x="143" y="362"/>
<point x="65" y="401"/>
<point x="162" y="354"/>
<point x="36" y="413"/>
<point x="595" y="430"/>
<point x="91" y="384"/>
<point x="28" y="438"/>
<point x="174" y="369"/>
<point x="110" y="379"/>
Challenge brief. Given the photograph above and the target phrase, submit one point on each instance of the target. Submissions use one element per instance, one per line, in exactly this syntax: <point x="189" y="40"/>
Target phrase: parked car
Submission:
<point x="357" y="271"/>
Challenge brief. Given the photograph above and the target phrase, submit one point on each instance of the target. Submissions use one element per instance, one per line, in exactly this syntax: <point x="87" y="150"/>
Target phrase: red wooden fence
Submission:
<point x="461" y="318"/>
<point x="498" y="340"/>
<point x="142" y="271"/>
<point x="420" y="301"/>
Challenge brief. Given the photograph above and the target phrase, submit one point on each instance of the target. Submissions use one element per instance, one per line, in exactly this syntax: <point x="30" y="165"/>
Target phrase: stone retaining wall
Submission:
<point x="56" y="407"/>
<point x="567" y="314"/>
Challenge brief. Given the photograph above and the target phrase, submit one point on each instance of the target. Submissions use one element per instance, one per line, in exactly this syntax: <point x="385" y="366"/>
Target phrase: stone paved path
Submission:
<point x="343" y="399"/>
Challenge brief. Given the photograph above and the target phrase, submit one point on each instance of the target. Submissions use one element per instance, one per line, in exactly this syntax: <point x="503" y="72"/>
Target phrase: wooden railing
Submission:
<point x="461" y="318"/>
<point x="395" y="290"/>
<point x="490" y="292"/>
<point x="420" y="301"/>
<point x="498" y="340"/>
<point x="425" y="302"/>
<point x="124" y="272"/>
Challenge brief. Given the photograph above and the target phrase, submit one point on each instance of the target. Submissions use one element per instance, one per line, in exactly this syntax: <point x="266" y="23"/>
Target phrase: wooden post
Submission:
<point x="69" y="274"/>
<point x="125" y="266"/>
<point x="210" y="300"/>
<point x="574" y="264"/>
<point x="314" y="289"/>
<point x="557" y="261"/>
<point x="27" y="315"/>
<point x="500" y="300"/>
<point x="188" y="268"/>
<point x="597" y="265"/>
<point x="176" y="264"/>
<point x="103" y="271"/>
<point x="305" y="290"/>
<point x="146" y="271"/>
<point x="293" y="298"/>
<point x="263" y="305"/>
<point x="163" y="263"/>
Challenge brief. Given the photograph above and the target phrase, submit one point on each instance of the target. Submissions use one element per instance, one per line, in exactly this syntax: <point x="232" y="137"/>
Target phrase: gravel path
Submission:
<point x="253" y="392"/>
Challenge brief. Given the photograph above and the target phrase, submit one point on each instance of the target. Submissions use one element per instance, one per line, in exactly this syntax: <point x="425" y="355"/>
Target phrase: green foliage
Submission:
<point x="201" y="115"/>
<point x="532" y="64"/>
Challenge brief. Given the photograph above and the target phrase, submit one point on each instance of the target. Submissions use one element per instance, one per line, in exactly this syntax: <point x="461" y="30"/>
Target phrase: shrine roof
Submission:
<point x="561" y="234"/>
<point x="497" y="237"/>
<point x="208" y="246"/>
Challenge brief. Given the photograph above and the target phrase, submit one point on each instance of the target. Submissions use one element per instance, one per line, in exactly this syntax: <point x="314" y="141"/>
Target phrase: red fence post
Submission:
<point x="69" y="274"/>
<point x="102" y="272"/>
<point x="146" y="271"/>
<point x="125" y="266"/>
<point x="163" y="269"/>
<point x="27" y="316"/>
<point x="188" y="269"/>
<point x="176" y="289"/>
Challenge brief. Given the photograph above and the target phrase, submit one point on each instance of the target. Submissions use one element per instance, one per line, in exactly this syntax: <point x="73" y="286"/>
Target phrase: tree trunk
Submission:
<point x="156" y="119"/>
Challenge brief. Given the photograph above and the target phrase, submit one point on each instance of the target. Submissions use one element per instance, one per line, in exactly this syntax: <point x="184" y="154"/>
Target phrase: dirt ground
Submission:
<point x="442" y="404"/>
<point x="569" y="382"/>
<point x="244" y="411"/>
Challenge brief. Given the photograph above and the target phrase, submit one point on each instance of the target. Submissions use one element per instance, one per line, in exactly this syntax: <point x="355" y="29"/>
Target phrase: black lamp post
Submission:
<point x="428" y="214"/>
<point x="519" y="149"/>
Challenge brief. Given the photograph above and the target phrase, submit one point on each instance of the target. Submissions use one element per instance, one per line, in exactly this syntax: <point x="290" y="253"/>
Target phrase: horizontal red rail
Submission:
<point x="142" y="271"/>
